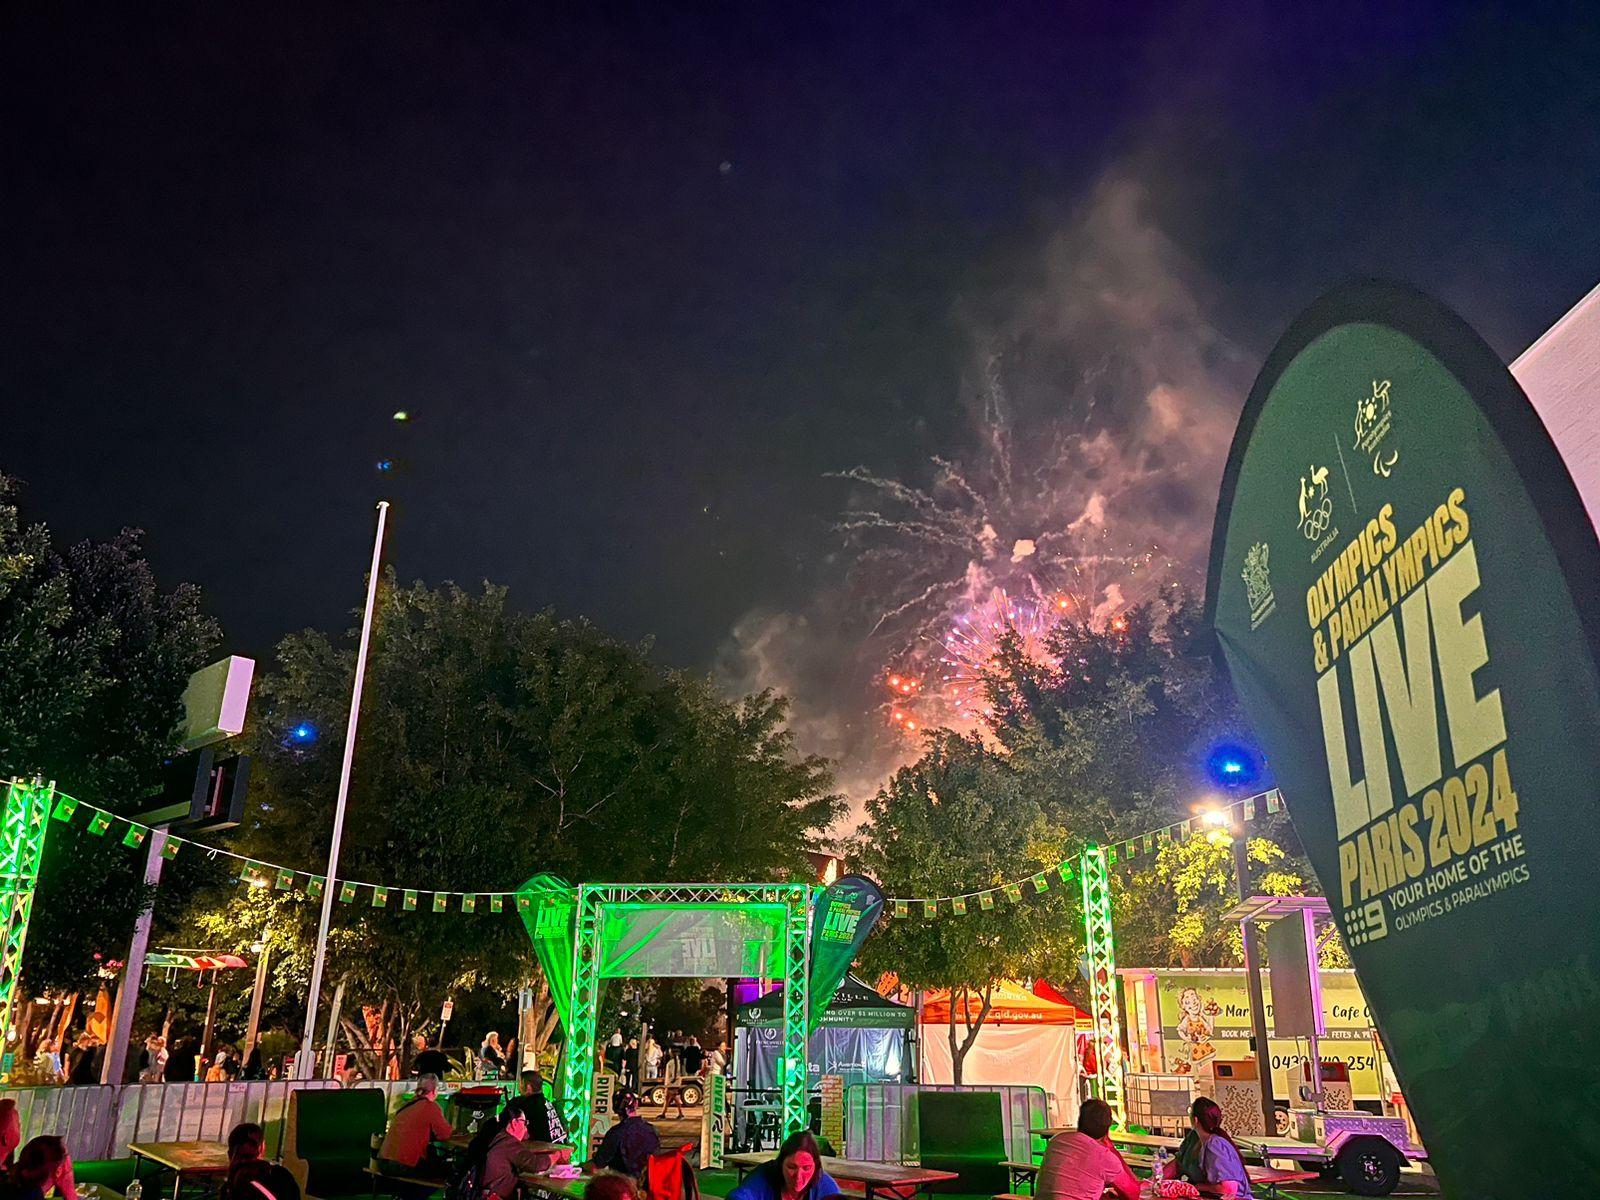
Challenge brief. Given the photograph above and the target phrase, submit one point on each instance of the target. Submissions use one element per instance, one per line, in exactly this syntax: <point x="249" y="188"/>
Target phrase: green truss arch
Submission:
<point x="593" y="932"/>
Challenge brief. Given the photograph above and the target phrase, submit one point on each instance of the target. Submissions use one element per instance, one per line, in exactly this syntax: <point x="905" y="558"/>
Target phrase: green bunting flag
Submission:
<point x="959" y="906"/>
<point x="247" y="873"/>
<point x="986" y="901"/>
<point x="469" y="902"/>
<point x="408" y="901"/>
<point x="1148" y="845"/>
<point x="169" y="848"/>
<point x="1274" y="801"/>
<point x="524" y="902"/>
<point x="1013" y="893"/>
<point x="497" y="903"/>
<point x="285" y="879"/>
<point x="347" y="892"/>
<point x="1065" y="871"/>
<point x="930" y="909"/>
<point x="65" y="807"/>
<point x="99" y="823"/>
<point x="314" y="886"/>
<point x="1250" y="809"/>
<point x="380" y="897"/>
<point x="135" y="835"/>
<point x="441" y="901"/>
<point x="1041" y="883"/>
<point x="902" y="910"/>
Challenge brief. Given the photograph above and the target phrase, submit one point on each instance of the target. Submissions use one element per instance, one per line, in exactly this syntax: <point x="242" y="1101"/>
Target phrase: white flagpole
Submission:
<point x="305" y="1061"/>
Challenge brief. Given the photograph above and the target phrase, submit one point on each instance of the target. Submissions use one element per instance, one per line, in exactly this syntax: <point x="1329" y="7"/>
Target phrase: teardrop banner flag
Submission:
<point x="1405" y="586"/>
<point x="845" y="913"/>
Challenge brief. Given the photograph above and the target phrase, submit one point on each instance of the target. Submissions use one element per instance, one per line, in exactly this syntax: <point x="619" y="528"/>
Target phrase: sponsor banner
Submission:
<point x="845" y="913"/>
<point x="1404" y="584"/>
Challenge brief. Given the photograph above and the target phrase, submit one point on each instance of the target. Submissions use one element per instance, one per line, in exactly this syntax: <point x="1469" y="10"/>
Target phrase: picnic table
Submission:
<point x="890" y="1179"/>
<point x="183" y="1159"/>
<point x="1149" y="1141"/>
<point x="461" y="1140"/>
<point x="1263" y="1176"/>
<point x="1021" y="1173"/>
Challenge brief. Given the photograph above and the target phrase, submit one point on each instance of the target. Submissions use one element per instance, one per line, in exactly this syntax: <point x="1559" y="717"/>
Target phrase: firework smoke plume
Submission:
<point x="1101" y="404"/>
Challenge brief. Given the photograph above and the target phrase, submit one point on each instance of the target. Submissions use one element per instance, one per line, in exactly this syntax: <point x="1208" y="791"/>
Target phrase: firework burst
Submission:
<point x="1032" y="532"/>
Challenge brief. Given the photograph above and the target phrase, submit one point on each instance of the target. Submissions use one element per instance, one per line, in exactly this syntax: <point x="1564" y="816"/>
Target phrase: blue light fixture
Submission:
<point x="1233" y="764"/>
<point x="303" y="734"/>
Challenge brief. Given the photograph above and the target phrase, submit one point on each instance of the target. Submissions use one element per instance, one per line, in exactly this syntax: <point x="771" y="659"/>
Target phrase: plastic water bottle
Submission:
<point x="135" y="1190"/>
<point x="1162" y="1158"/>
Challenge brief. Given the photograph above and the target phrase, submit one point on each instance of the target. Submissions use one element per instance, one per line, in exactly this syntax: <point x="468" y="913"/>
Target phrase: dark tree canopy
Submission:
<point x="495" y="745"/>
<point x="94" y="657"/>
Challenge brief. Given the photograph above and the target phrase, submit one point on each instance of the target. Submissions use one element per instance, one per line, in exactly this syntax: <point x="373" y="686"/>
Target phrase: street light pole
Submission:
<point x="1252" y="978"/>
<point x="305" y="1061"/>
<point x="263" y="956"/>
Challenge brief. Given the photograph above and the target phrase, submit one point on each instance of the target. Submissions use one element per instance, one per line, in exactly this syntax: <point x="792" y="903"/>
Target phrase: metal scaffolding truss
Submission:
<point x="22" y="829"/>
<point x="588" y="953"/>
<point x="1101" y="951"/>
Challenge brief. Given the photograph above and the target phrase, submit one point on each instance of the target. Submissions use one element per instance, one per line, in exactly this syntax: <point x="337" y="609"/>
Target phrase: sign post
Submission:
<point x="1406" y="588"/>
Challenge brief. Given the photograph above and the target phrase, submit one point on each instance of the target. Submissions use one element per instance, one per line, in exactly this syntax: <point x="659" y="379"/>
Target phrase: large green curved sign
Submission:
<point x="1405" y="587"/>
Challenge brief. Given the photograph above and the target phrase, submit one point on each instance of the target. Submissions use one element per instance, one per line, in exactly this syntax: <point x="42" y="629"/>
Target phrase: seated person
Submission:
<point x="608" y="1185"/>
<point x="10" y="1131"/>
<point x="544" y="1123"/>
<point x="504" y="1157"/>
<point x="407" y="1147"/>
<point x="1221" y="1165"/>
<point x="796" y="1174"/>
<point x="246" y="1141"/>
<point x="1080" y="1165"/>
<point x="258" y="1179"/>
<point x="42" y="1165"/>
<point x="628" y="1145"/>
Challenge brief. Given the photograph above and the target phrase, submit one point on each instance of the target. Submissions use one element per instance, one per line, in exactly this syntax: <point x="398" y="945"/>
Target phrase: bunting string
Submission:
<point x="1240" y="811"/>
<point x="256" y="873"/>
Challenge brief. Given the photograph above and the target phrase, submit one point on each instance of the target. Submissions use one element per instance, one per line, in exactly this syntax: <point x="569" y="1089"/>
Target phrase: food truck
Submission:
<point x="1182" y="1021"/>
<point x="1190" y="1033"/>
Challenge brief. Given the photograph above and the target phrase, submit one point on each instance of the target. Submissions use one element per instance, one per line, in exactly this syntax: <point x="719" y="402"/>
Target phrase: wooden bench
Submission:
<point x="1271" y="1177"/>
<point x="1021" y="1173"/>
<point x="419" y="1182"/>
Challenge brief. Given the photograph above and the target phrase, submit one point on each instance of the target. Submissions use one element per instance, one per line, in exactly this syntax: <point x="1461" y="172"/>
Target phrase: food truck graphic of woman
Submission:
<point x="1195" y="1026"/>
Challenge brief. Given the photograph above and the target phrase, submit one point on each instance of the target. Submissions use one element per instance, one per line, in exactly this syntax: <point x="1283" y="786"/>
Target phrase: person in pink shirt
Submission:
<point x="1082" y="1164"/>
<point x="10" y="1131"/>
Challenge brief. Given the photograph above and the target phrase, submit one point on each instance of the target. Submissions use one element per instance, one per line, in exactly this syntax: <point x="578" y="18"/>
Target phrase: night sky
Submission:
<point x="643" y="275"/>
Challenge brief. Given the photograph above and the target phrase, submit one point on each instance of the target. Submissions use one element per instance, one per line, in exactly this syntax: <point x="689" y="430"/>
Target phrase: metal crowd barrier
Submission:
<point x="99" y="1121"/>
<point x="880" y="1119"/>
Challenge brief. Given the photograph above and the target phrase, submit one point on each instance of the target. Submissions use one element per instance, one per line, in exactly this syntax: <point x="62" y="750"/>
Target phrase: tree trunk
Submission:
<point x="64" y="1021"/>
<point x="958" y="1052"/>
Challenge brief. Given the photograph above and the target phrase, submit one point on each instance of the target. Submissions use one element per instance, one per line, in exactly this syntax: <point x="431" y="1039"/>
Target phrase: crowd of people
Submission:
<point x="678" y="1057"/>
<point x="183" y="1061"/>
<point x="419" y="1153"/>
<point x="524" y="1138"/>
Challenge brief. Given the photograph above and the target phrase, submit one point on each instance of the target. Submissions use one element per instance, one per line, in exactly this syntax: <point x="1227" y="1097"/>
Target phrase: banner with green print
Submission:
<point x="1406" y="588"/>
<point x="549" y="907"/>
<point x="845" y="913"/>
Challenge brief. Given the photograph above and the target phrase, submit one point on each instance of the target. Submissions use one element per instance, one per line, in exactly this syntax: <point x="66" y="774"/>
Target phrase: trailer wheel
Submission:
<point x="692" y="1094"/>
<point x="1369" y="1166"/>
<point x="655" y="1095"/>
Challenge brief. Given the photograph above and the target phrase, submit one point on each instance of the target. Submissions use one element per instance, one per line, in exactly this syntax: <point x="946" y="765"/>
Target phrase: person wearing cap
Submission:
<point x="628" y="1145"/>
